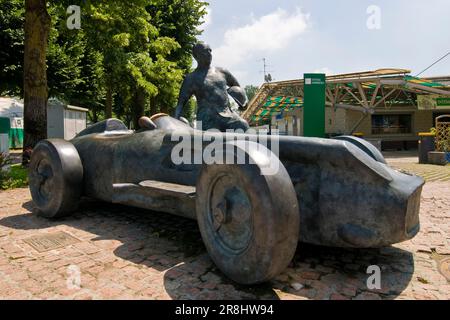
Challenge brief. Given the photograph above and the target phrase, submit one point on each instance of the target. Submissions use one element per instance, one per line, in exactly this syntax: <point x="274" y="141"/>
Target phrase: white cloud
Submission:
<point x="269" y="33"/>
<point x="324" y="70"/>
<point x="207" y="19"/>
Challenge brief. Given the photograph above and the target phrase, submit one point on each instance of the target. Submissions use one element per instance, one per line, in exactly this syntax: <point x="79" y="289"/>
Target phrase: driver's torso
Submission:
<point x="210" y="90"/>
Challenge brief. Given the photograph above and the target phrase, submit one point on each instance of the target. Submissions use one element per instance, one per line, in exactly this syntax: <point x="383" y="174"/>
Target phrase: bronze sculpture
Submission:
<point x="334" y="192"/>
<point x="211" y="86"/>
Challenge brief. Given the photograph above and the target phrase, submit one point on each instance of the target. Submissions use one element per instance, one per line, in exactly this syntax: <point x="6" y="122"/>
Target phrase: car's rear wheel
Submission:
<point x="249" y="220"/>
<point x="55" y="177"/>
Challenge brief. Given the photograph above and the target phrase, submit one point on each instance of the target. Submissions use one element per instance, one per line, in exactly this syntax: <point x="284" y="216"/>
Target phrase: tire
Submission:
<point x="249" y="221"/>
<point x="365" y="146"/>
<point x="55" y="178"/>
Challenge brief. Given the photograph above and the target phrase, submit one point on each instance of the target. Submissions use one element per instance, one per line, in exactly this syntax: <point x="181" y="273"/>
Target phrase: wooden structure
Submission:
<point x="443" y="133"/>
<point x="381" y="104"/>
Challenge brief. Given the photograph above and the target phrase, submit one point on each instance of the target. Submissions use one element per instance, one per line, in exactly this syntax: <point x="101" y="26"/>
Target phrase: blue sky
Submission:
<point x="303" y="36"/>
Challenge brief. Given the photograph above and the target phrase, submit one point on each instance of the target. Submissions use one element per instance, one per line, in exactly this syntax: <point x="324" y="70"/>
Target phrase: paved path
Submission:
<point x="129" y="253"/>
<point x="408" y="161"/>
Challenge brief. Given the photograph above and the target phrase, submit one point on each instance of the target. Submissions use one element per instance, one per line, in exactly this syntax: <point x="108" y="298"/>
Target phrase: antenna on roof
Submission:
<point x="436" y="62"/>
<point x="267" y="75"/>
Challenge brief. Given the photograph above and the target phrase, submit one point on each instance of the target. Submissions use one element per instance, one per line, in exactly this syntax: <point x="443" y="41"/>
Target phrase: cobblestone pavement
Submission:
<point x="409" y="162"/>
<point x="127" y="253"/>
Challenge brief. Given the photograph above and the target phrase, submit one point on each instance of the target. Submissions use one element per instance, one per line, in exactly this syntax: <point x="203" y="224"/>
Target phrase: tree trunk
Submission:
<point x="153" y="106"/>
<point x="138" y="107"/>
<point x="94" y="116"/>
<point x="164" y="109"/>
<point x="108" y="112"/>
<point x="37" y="28"/>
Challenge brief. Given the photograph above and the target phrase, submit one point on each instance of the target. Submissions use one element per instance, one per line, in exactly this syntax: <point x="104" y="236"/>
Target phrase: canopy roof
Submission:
<point x="363" y="91"/>
<point x="275" y="105"/>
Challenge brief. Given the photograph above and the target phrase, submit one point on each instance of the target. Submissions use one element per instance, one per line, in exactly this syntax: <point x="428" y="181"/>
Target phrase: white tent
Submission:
<point x="11" y="107"/>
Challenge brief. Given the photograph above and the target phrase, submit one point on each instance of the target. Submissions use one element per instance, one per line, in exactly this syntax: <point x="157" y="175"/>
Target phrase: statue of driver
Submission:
<point x="211" y="86"/>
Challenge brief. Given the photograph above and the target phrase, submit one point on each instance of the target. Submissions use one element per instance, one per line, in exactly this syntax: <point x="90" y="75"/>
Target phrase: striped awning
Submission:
<point x="424" y="82"/>
<point x="408" y="79"/>
<point x="275" y="105"/>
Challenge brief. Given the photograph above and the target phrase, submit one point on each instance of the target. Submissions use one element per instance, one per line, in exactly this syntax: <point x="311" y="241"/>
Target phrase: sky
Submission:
<point x="333" y="37"/>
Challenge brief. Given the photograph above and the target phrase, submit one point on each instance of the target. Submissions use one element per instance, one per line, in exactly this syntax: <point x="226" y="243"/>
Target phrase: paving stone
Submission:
<point x="127" y="255"/>
<point x="367" y="296"/>
<point x="310" y="275"/>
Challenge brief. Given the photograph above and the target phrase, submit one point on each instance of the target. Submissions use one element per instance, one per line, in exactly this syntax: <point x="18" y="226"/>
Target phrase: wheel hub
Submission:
<point x="41" y="178"/>
<point x="231" y="217"/>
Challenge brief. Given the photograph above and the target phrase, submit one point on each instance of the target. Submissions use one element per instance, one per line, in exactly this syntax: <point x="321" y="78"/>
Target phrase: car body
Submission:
<point x="336" y="192"/>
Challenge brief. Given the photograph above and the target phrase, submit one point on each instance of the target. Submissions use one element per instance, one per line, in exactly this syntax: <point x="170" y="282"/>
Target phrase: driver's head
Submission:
<point x="202" y="53"/>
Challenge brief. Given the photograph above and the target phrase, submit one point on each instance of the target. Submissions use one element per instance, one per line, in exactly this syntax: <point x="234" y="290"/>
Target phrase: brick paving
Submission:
<point x="127" y="253"/>
<point x="408" y="161"/>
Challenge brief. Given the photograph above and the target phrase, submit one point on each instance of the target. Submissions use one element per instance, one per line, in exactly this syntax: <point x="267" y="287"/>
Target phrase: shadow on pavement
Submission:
<point x="173" y="245"/>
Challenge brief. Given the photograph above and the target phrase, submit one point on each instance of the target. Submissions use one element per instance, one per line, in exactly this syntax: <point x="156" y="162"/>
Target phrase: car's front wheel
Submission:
<point x="248" y="218"/>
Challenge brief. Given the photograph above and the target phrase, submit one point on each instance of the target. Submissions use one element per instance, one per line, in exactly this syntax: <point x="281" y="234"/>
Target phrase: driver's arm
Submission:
<point x="185" y="94"/>
<point x="231" y="80"/>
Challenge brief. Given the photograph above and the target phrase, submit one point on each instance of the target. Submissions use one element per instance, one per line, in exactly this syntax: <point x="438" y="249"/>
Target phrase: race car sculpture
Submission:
<point x="333" y="192"/>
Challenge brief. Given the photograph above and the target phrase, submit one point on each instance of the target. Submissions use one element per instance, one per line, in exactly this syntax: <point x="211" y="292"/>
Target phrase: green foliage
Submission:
<point x="180" y="20"/>
<point x="64" y="53"/>
<point x="11" y="176"/>
<point x="139" y="49"/>
<point x="251" y="91"/>
<point x="189" y="110"/>
<point x="90" y="93"/>
<point x="18" y="177"/>
<point x="12" y="19"/>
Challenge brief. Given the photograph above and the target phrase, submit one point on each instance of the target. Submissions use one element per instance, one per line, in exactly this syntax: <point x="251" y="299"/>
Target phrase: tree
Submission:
<point x="90" y="93"/>
<point x="139" y="58"/>
<point x="251" y="91"/>
<point x="75" y="69"/>
<point x="64" y="54"/>
<point x="12" y="17"/>
<point x="179" y="20"/>
<point x="128" y="58"/>
<point x="37" y="29"/>
<point x="124" y="34"/>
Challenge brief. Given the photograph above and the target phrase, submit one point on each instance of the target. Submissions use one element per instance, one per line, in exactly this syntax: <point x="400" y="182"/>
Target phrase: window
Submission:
<point x="391" y="124"/>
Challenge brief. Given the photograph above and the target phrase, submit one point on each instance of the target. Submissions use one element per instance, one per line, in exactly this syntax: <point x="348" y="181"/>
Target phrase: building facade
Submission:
<point x="387" y="106"/>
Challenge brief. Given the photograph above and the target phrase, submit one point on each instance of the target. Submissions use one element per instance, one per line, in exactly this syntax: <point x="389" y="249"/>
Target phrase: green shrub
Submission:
<point x="12" y="176"/>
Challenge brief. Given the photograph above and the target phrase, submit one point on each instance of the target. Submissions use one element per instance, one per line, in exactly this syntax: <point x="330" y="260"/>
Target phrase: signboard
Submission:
<point x="443" y="102"/>
<point x="433" y="102"/>
<point x="314" y="105"/>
